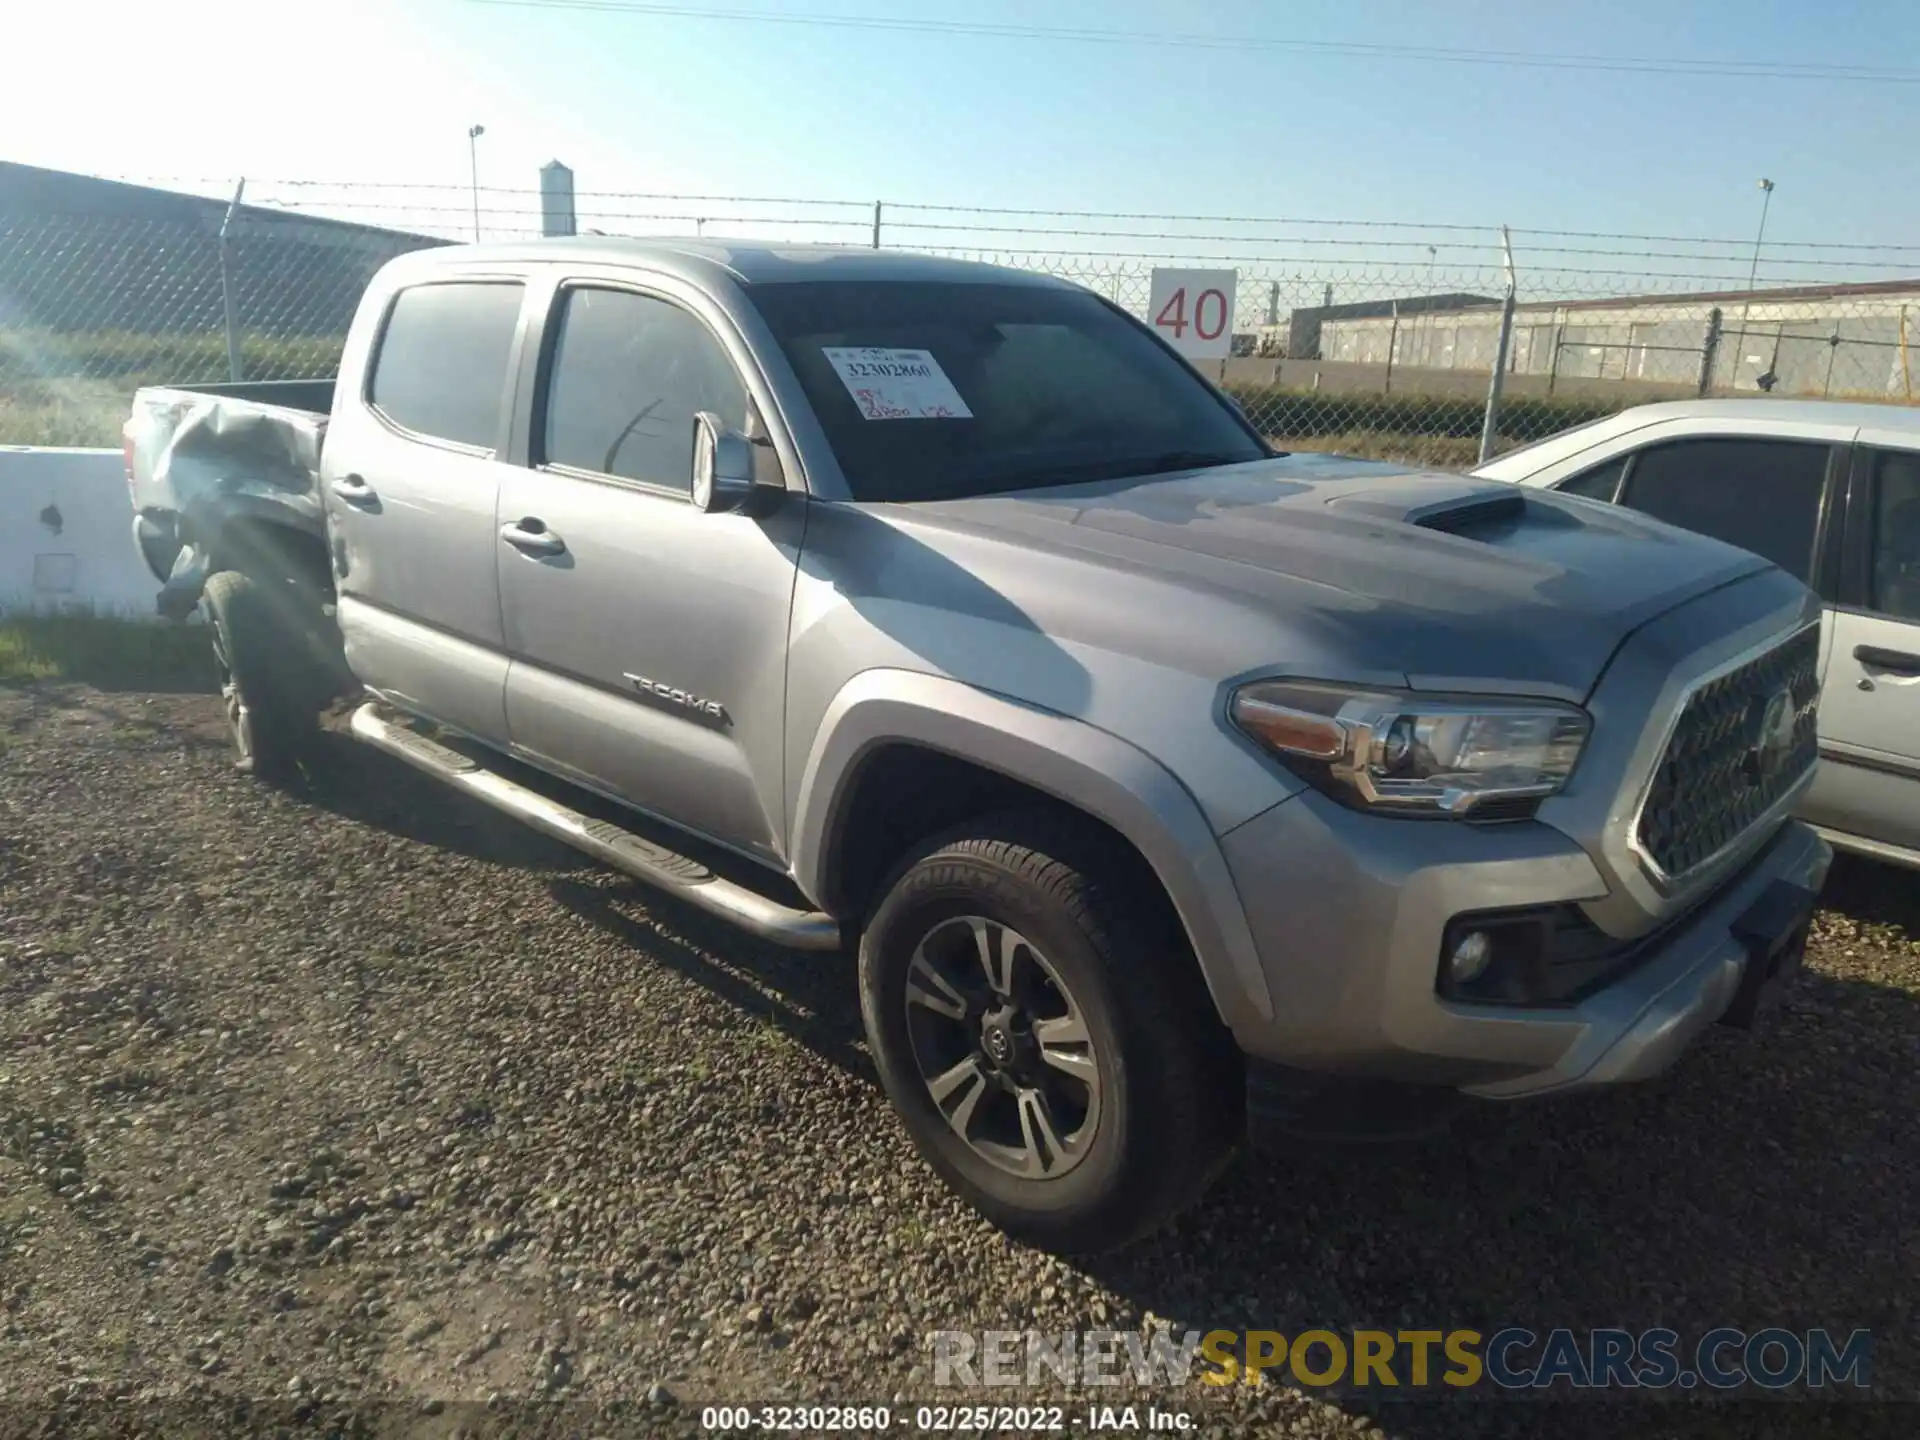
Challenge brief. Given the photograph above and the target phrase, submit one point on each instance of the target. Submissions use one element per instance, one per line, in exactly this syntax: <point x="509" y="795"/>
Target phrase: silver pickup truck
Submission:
<point x="1169" y="789"/>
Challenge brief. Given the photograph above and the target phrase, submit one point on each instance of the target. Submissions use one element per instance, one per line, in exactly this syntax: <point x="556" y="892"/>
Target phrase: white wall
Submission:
<point x="66" y="533"/>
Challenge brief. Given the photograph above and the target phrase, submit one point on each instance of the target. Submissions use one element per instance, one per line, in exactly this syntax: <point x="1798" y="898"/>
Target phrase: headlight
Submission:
<point x="1415" y="754"/>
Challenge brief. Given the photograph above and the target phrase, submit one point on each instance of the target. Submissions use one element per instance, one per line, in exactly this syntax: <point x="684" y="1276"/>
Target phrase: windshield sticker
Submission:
<point x="892" y="384"/>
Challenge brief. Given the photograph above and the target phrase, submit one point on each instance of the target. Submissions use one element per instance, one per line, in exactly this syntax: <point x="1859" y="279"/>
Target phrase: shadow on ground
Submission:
<point x="1874" y="894"/>
<point x="1775" y="1155"/>
<point x="811" y="998"/>
<point x="1581" y="1212"/>
<point x="369" y="787"/>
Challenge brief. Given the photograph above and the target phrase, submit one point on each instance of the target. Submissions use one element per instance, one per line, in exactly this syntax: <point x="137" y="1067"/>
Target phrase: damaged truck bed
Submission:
<point x="218" y="471"/>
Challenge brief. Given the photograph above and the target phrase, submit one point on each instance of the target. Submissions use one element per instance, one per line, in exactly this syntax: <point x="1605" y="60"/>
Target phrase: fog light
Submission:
<point x="1470" y="957"/>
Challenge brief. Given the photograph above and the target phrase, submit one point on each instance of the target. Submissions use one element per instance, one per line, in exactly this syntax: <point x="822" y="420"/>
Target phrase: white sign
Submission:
<point x="1193" y="311"/>
<point x="896" y="384"/>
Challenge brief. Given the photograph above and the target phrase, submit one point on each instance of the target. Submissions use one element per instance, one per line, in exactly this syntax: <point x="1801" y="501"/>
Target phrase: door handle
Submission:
<point x="354" y="490"/>
<point x="531" y="537"/>
<point x="1894" y="662"/>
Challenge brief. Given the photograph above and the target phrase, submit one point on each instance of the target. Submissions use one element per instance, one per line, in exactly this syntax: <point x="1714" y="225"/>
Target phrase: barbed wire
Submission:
<point x="894" y="208"/>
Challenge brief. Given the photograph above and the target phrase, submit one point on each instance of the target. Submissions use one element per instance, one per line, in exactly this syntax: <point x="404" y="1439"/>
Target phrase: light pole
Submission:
<point x="1766" y="199"/>
<point x="474" y="132"/>
<point x="1753" y="275"/>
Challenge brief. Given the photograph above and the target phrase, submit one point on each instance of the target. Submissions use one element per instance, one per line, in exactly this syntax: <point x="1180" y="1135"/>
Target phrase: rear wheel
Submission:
<point x="261" y="641"/>
<point x="1037" y="1027"/>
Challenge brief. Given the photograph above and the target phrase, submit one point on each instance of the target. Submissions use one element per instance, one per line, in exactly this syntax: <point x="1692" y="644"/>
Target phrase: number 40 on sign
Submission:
<point x="1192" y="310"/>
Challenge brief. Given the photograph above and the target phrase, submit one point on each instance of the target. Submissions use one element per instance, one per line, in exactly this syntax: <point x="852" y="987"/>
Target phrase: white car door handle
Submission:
<point x="1894" y="662"/>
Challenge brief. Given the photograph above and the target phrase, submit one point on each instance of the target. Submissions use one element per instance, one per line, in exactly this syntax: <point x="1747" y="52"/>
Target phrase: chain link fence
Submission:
<point x="1370" y="338"/>
<point x="94" y="307"/>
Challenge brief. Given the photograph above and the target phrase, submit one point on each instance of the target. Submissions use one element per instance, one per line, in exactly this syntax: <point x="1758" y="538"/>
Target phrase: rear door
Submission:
<point x="1869" y="784"/>
<point x="411" y="481"/>
<point x="648" y="637"/>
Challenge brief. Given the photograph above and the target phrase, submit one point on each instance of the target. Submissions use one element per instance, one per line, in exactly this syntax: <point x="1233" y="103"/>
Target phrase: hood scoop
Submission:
<point x="1458" y="509"/>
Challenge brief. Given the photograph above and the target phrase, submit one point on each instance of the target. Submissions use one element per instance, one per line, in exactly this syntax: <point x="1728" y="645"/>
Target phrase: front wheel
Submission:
<point x="272" y="714"/>
<point x="1037" y="1028"/>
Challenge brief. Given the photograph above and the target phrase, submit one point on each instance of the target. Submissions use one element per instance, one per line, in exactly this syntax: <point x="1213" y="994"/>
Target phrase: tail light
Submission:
<point x="126" y="450"/>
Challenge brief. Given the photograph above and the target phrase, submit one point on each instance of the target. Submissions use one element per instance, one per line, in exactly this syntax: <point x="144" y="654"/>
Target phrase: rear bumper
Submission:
<point x="1349" y="911"/>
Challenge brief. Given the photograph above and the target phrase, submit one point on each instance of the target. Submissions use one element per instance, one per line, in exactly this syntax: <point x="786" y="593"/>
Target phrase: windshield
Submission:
<point x="930" y="391"/>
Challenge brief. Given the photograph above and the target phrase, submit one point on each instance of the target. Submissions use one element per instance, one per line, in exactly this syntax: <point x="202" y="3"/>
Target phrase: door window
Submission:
<point x="1600" y="483"/>
<point x="1896" y="536"/>
<point x="628" y="375"/>
<point x="1762" y="495"/>
<point x="441" y="370"/>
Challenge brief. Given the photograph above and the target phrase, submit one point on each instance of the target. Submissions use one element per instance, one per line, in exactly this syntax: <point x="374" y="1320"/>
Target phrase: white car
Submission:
<point x="1830" y="492"/>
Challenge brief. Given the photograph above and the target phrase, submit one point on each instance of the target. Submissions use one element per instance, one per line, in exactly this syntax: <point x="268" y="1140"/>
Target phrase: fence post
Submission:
<point x="1709" y="348"/>
<point x="1490" y="426"/>
<point x="876" y="224"/>
<point x="1553" y="361"/>
<point x="234" y="371"/>
<point x="1906" y="365"/>
<point x="1393" y="343"/>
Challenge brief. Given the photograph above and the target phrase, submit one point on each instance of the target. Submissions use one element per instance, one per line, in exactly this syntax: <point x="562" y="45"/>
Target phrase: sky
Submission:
<point x="382" y="92"/>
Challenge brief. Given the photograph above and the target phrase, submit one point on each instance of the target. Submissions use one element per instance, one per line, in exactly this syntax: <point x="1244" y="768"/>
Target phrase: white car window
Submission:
<point x="1762" y="495"/>
<point x="1896" y="537"/>
<point x="1600" y="483"/>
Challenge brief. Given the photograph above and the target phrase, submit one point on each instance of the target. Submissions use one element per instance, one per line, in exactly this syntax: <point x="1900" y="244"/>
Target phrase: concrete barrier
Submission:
<point x="66" y="534"/>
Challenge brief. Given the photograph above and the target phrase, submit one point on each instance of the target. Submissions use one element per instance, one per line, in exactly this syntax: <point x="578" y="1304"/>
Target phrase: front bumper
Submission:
<point x="1349" y="909"/>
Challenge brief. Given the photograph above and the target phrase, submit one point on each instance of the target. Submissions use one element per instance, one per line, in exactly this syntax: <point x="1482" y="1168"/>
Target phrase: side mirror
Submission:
<point x="722" y="465"/>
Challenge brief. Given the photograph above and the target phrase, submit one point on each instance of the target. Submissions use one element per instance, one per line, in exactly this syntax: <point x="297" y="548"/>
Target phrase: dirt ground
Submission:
<point x="362" y="1108"/>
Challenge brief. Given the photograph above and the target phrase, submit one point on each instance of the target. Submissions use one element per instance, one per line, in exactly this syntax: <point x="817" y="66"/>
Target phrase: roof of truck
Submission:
<point x="749" y="262"/>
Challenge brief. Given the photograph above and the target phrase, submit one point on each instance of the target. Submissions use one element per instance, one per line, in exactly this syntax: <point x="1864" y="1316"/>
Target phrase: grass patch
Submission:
<point x="106" y="653"/>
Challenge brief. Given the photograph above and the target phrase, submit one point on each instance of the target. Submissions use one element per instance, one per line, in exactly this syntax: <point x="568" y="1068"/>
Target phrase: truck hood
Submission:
<point x="1449" y="580"/>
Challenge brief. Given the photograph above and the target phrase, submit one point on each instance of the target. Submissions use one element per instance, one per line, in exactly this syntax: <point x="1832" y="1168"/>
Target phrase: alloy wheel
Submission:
<point x="1003" y="1047"/>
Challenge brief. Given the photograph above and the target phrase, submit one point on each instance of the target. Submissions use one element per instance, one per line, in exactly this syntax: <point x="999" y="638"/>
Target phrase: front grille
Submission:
<point x="1720" y="773"/>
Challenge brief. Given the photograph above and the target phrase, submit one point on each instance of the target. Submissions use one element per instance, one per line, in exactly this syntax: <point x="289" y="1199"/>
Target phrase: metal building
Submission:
<point x="1831" y="340"/>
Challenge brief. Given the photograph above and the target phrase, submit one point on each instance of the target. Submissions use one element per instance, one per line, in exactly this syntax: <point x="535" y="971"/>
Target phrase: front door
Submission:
<point x="648" y="638"/>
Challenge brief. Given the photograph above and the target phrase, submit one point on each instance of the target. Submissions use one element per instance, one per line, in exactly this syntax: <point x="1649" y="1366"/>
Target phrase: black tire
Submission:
<point x="1108" y="963"/>
<point x="263" y="642"/>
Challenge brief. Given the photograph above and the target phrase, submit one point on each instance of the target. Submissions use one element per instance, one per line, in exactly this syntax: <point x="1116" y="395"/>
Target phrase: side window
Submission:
<point x="1896" y="536"/>
<point x="1600" y="483"/>
<point x="1762" y="495"/>
<point x="442" y="365"/>
<point x="627" y="376"/>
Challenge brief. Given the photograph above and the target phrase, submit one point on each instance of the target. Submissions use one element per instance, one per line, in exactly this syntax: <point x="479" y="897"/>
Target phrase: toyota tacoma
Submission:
<point x="1166" y="789"/>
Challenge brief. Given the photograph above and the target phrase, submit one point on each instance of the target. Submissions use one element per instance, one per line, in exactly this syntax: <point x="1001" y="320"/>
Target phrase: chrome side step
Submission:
<point x="625" y="851"/>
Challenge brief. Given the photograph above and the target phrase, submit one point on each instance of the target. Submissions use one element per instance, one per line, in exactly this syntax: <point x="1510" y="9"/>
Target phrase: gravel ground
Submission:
<point x="370" y="1094"/>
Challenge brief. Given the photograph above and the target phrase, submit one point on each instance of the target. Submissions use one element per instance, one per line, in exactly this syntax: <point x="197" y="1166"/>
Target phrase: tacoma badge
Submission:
<point x="706" y="709"/>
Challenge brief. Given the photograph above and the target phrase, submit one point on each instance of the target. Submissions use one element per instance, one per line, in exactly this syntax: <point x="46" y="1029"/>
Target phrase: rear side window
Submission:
<point x="1599" y="483"/>
<point x="442" y="366"/>
<point x="629" y="373"/>
<point x="1762" y="495"/>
